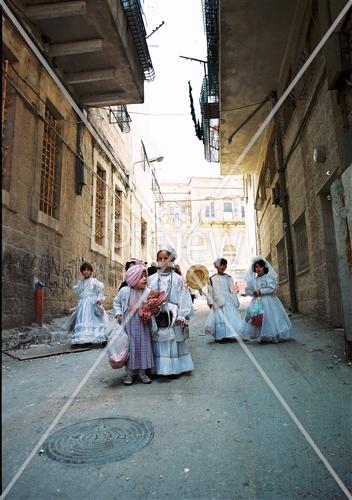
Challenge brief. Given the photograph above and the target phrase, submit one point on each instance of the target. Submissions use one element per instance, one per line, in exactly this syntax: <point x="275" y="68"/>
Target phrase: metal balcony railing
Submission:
<point x="209" y="105"/>
<point x="209" y="98"/>
<point x="119" y="115"/>
<point x="136" y="26"/>
<point x="210" y="18"/>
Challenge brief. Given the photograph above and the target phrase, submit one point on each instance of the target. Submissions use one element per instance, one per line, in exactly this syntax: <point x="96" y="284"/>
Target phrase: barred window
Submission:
<point x="281" y="259"/>
<point x="301" y="243"/>
<point x="100" y="206"/>
<point x="143" y="232"/>
<point x="49" y="176"/>
<point x="118" y="221"/>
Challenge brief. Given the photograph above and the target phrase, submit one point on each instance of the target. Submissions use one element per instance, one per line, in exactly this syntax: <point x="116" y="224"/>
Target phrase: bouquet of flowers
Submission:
<point x="150" y="306"/>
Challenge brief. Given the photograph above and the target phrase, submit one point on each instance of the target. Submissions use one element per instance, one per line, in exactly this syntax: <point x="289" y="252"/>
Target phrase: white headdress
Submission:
<point x="164" y="247"/>
<point x="251" y="274"/>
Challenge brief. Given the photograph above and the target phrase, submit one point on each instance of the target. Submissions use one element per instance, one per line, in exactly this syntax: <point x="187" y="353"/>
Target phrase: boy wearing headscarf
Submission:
<point x="126" y="307"/>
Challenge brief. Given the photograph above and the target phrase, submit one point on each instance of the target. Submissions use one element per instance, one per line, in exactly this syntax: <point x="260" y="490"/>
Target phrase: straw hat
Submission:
<point x="197" y="276"/>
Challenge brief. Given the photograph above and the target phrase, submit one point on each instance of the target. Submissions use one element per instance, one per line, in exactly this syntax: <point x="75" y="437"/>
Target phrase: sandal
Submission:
<point x="128" y="380"/>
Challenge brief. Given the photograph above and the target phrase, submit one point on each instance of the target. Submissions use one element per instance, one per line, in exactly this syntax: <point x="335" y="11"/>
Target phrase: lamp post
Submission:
<point x="157" y="159"/>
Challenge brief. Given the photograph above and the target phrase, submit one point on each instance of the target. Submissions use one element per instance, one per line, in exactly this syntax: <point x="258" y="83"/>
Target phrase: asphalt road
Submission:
<point x="220" y="433"/>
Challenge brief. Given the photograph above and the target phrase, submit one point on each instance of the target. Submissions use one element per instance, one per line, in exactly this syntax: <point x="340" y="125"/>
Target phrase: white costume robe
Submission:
<point x="89" y="328"/>
<point x="276" y="324"/>
<point x="171" y="353"/>
<point x="224" y="319"/>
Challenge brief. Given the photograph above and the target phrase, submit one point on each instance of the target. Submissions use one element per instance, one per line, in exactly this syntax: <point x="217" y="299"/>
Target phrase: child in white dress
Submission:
<point x="91" y="318"/>
<point x="170" y="339"/>
<point x="273" y="324"/>
<point x="224" y="320"/>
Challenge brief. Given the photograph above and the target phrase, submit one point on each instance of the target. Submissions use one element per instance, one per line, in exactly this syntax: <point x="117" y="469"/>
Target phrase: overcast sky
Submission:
<point x="172" y="135"/>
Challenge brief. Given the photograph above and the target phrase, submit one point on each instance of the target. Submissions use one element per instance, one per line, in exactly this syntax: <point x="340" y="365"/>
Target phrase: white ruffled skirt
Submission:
<point x="172" y="356"/>
<point x="89" y="328"/>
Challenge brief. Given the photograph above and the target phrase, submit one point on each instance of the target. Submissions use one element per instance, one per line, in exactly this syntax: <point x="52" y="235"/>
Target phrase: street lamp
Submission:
<point x="158" y="159"/>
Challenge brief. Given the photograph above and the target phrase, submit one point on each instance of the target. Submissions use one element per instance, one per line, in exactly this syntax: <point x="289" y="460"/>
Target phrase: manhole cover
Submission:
<point x="99" y="441"/>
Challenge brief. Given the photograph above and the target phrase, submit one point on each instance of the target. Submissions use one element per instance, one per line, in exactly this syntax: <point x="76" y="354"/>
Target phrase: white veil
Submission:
<point x="250" y="274"/>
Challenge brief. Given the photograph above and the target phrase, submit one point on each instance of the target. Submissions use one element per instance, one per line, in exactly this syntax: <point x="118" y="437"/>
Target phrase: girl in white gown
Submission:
<point x="170" y="344"/>
<point x="89" y="328"/>
<point x="224" y="320"/>
<point x="261" y="285"/>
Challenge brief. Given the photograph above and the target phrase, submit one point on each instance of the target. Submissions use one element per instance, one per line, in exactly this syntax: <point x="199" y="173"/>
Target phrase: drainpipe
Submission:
<point x="79" y="173"/>
<point x="285" y="209"/>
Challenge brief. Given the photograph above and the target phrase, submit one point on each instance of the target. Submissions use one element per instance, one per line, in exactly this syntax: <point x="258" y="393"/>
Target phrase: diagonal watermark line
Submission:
<point x="290" y="412"/>
<point x="251" y="357"/>
<point x="294" y="81"/>
<point x="63" y="410"/>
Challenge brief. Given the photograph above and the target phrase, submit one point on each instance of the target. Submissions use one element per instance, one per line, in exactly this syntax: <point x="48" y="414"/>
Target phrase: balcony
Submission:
<point x="209" y="97"/>
<point x="97" y="47"/>
<point x="254" y="39"/>
<point x="222" y="219"/>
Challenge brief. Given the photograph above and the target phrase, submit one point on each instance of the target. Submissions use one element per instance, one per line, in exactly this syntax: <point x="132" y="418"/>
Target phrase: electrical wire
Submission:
<point x="198" y="199"/>
<point x="35" y="92"/>
<point x="249" y="117"/>
<point x="35" y="111"/>
<point x="241" y="107"/>
<point x="157" y="114"/>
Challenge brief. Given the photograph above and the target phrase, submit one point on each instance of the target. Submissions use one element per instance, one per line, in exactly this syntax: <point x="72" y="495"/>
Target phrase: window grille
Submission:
<point x="269" y="166"/>
<point x="4" y="121"/>
<point x="301" y="243"/>
<point x="49" y="166"/>
<point x="143" y="232"/>
<point x="118" y="221"/>
<point x="281" y="259"/>
<point x="100" y="206"/>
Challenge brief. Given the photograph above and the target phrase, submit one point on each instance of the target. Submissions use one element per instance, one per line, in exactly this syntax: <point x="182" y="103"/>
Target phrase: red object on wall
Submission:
<point x="39" y="305"/>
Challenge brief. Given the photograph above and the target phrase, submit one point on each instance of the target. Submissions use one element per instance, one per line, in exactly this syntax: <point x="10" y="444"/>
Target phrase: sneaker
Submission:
<point x="128" y="380"/>
<point x="145" y="379"/>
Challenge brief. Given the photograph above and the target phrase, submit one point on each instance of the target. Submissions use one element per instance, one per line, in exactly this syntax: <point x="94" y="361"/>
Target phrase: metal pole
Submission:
<point x="285" y="209"/>
<point x="156" y="226"/>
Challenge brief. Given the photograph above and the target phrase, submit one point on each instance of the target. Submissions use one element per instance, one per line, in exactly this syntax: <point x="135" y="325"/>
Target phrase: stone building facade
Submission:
<point x="314" y="126"/>
<point x="297" y="171"/>
<point x="204" y="218"/>
<point x="66" y="187"/>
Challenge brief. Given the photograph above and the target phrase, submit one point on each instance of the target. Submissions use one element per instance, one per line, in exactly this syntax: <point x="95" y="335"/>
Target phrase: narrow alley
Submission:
<point x="220" y="433"/>
<point x="160" y="156"/>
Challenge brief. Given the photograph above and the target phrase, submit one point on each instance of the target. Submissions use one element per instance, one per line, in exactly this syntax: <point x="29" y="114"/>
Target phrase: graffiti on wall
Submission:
<point x="58" y="277"/>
